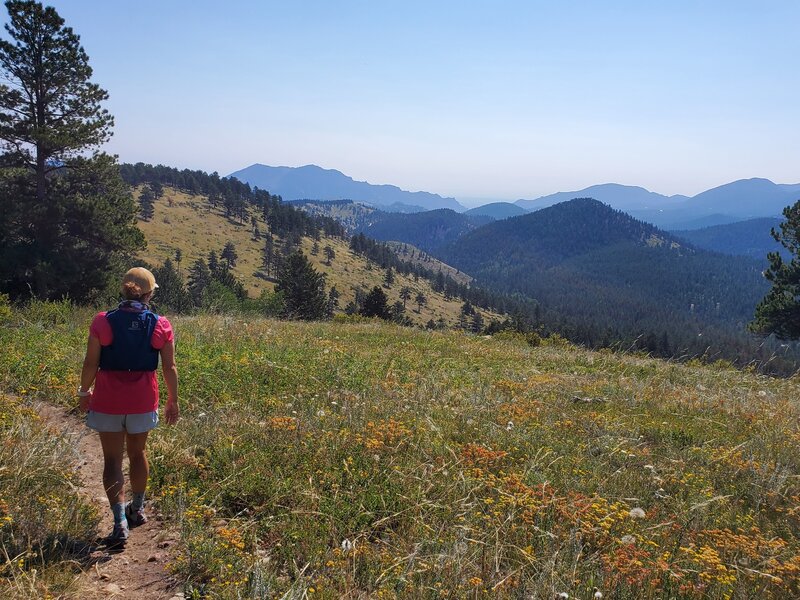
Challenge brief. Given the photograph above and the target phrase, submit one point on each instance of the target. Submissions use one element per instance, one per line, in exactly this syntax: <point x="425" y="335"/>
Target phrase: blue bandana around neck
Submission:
<point x="133" y="305"/>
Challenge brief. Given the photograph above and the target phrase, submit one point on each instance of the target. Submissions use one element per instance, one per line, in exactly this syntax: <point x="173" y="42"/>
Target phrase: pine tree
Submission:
<point x="405" y="294"/>
<point x="268" y="254"/>
<point x="330" y="254"/>
<point x="254" y="227"/>
<point x="146" y="203"/>
<point x="375" y="304"/>
<point x="420" y="301"/>
<point x="397" y="312"/>
<point x="477" y="322"/>
<point x="303" y="289"/>
<point x="51" y="110"/>
<point x="229" y="254"/>
<point x="64" y="206"/>
<point x="172" y="294"/>
<point x="199" y="280"/>
<point x="333" y="302"/>
<point x="388" y="277"/>
<point x="779" y="312"/>
<point x="213" y="262"/>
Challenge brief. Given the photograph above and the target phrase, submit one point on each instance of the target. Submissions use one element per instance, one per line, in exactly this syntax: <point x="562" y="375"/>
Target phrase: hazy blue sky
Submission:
<point x="500" y="100"/>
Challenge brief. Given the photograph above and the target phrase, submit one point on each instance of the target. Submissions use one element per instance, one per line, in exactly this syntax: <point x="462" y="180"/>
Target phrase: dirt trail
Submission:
<point x="139" y="570"/>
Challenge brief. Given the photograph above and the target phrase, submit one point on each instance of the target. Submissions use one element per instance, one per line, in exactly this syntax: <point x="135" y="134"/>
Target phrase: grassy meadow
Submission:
<point x="336" y="460"/>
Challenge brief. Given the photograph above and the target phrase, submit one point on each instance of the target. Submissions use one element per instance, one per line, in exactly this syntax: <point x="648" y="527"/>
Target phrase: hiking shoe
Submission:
<point x="135" y="517"/>
<point x="119" y="536"/>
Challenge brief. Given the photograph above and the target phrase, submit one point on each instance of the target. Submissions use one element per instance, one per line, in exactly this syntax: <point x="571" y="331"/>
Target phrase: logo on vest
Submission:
<point x="134" y="326"/>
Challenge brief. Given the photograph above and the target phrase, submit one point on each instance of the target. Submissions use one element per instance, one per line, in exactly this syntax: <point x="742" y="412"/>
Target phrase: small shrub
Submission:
<point x="531" y="338"/>
<point x="556" y="341"/>
<point x="5" y="308"/>
<point x="49" y="312"/>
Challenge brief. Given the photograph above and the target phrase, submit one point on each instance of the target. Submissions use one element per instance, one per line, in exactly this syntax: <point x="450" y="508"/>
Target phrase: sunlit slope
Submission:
<point x="191" y="224"/>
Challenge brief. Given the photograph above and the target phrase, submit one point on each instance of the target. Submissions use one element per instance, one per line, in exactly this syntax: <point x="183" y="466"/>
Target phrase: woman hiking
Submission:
<point x="121" y="360"/>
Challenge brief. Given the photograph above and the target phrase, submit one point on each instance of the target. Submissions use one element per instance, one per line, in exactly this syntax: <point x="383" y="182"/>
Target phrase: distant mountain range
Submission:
<point x="497" y="210"/>
<point x="315" y="183"/>
<point x="621" y="197"/>
<point x="735" y="201"/>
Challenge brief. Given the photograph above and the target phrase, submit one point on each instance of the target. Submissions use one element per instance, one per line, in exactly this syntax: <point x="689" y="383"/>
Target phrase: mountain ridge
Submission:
<point x="737" y="200"/>
<point x="311" y="182"/>
<point x="617" y="195"/>
<point x="497" y="210"/>
<point x="607" y="275"/>
<point x="734" y="201"/>
<point x="743" y="238"/>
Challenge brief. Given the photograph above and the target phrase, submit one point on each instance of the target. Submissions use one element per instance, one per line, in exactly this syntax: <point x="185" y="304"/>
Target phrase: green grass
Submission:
<point x="375" y="461"/>
<point x="46" y="528"/>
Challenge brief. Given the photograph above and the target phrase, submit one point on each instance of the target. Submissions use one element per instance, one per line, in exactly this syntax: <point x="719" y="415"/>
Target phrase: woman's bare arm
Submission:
<point x="170" y="370"/>
<point x="89" y="371"/>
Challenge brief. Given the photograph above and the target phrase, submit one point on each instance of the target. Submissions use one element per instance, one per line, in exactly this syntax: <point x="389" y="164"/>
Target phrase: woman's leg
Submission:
<point x="113" y="452"/>
<point x="140" y="470"/>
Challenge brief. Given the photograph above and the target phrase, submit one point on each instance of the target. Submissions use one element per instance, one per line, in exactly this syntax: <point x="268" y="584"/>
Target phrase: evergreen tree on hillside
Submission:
<point x="779" y="311"/>
<point x="397" y="312"/>
<point x="333" y="302"/>
<point x="229" y="254"/>
<point x="221" y="274"/>
<point x="146" y="203"/>
<point x="465" y="316"/>
<point x="65" y="208"/>
<point x="405" y="294"/>
<point x="376" y="304"/>
<point x="476" y="326"/>
<point x="213" y="262"/>
<point x="268" y="254"/>
<point x="330" y="254"/>
<point x="199" y="280"/>
<point x="420" y="300"/>
<point x="178" y="259"/>
<point x="303" y="289"/>
<point x="388" y="277"/>
<point x="172" y="295"/>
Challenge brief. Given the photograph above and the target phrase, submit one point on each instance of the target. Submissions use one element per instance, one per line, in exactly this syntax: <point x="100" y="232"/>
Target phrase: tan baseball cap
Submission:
<point x="138" y="281"/>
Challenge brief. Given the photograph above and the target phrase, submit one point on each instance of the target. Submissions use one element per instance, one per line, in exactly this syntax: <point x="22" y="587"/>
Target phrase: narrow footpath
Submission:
<point x="138" y="571"/>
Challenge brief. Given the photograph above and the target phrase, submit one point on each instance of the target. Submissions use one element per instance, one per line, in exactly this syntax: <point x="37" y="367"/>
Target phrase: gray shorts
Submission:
<point x="106" y="423"/>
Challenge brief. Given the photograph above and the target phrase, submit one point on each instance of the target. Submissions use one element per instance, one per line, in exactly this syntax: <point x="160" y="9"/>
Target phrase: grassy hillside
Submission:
<point x="191" y="224"/>
<point x="416" y="256"/>
<point x="353" y="215"/>
<point x="333" y="460"/>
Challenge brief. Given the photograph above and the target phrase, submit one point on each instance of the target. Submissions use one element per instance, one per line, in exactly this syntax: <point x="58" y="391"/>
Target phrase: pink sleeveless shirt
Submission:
<point x="126" y="392"/>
